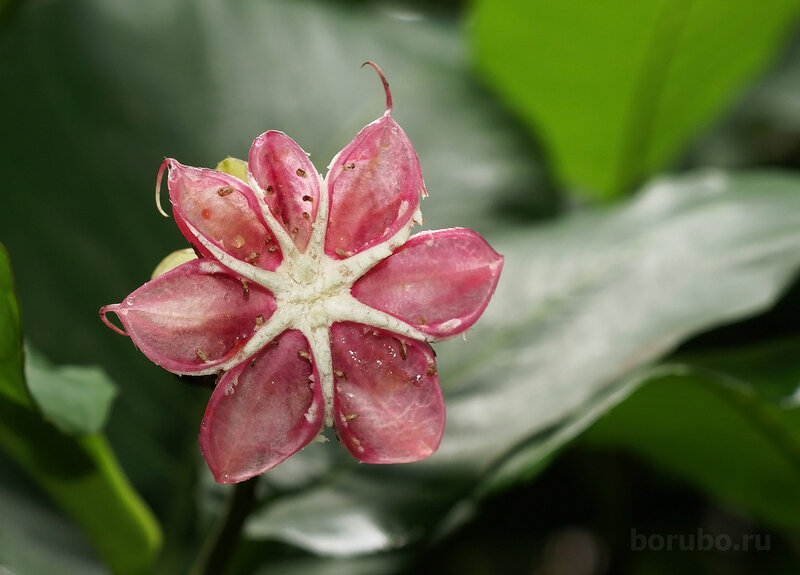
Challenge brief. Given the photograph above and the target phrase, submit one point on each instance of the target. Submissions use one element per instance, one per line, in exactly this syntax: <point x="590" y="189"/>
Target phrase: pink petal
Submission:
<point x="224" y="210"/>
<point x="374" y="186"/>
<point x="262" y="411"/>
<point x="387" y="402"/>
<point x="438" y="281"/>
<point x="193" y="317"/>
<point x="290" y="183"/>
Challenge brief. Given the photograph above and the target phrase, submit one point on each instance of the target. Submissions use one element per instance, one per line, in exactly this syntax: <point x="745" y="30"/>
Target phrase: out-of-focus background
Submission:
<point x="628" y="404"/>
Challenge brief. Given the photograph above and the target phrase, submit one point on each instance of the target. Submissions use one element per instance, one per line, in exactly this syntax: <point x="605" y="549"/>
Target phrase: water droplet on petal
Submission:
<point x="238" y="241"/>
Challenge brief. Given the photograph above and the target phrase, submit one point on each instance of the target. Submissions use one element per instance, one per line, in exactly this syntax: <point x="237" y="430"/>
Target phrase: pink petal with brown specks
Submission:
<point x="225" y="211"/>
<point x="374" y="186"/>
<point x="193" y="317"/>
<point x="262" y="411"/>
<point x="438" y="281"/>
<point x="388" y="405"/>
<point x="289" y="181"/>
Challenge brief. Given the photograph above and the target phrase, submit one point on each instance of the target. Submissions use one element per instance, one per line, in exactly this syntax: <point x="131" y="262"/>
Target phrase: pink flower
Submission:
<point x="311" y="302"/>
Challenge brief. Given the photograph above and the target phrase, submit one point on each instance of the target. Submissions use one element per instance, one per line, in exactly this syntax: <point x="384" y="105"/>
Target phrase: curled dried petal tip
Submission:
<point x="385" y="85"/>
<point x="163" y="167"/>
<point x="113" y="309"/>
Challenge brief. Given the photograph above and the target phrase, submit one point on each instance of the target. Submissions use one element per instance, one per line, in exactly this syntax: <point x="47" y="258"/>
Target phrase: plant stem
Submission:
<point x="223" y="539"/>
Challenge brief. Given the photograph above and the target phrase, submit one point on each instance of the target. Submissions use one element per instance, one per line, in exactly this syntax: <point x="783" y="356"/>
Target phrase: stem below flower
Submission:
<point x="224" y="537"/>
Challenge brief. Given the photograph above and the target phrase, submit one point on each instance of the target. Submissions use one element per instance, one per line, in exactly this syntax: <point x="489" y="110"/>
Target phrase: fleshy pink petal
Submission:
<point x="289" y="181"/>
<point x="193" y="317"/>
<point x="438" y="281"/>
<point x="224" y="210"/>
<point x="262" y="411"/>
<point x="387" y="403"/>
<point x="374" y="186"/>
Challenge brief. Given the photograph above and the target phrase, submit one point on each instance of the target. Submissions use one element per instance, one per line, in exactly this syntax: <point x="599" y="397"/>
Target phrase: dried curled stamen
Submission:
<point x="385" y="86"/>
<point x="160" y="174"/>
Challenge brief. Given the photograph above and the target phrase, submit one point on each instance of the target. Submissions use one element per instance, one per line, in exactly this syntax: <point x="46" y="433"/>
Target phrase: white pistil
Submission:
<point x="316" y="243"/>
<point x="362" y="262"/>
<point x="273" y="281"/>
<point x="319" y="339"/>
<point x="285" y="241"/>
<point x="355" y="311"/>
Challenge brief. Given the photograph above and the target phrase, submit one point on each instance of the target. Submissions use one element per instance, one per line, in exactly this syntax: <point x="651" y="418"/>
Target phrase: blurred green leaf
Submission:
<point x="35" y="536"/>
<point x="84" y="479"/>
<point x="763" y="129"/>
<point x="378" y="564"/>
<point x="582" y="304"/>
<point x="12" y="381"/>
<point x="114" y="86"/>
<point x="617" y="89"/>
<point x="80" y="475"/>
<point x="76" y="399"/>
<point x="718" y="432"/>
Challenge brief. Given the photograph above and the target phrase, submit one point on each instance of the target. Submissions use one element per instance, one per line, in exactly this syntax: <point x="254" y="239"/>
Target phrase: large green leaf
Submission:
<point x="80" y="475"/>
<point x="737" y="439"/>
<point x="97" y="92"/>
<point x="35" y="536"/>
<point x="12" y="381"/>
<point x="763" y="128"/>
<point x="616" y="89"/>
<point x="581" y="305"/>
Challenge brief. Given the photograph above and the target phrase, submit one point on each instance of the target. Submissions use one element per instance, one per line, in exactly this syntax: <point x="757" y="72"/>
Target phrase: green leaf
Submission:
<point x="581" y="306"/>
<point x="80" y="475"/>
<point x="12" y="381"/>
<point x="617" y="89"/>
<point x="763" y="128"/>
<point x="117" y="86"/>
<point x="84" y="479"/>
<point x="35" y="536"/>
<point x="76" y="399"/>
<point x="719" y="433"/>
